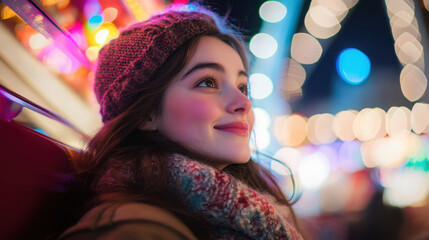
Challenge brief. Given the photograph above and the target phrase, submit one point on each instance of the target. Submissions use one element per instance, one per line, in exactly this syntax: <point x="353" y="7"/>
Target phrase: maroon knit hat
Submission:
<point x="127" y="62"/>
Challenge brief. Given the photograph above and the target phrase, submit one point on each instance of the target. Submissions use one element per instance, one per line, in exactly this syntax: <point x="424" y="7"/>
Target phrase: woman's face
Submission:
<point x="206" y="108"/>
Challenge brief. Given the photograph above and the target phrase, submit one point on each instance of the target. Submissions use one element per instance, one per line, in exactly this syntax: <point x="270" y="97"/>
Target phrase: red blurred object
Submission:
<point x="35" y="180"/>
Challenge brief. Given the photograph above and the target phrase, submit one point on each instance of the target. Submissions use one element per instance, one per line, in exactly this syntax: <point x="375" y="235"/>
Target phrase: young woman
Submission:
<point x="173" y="159"/>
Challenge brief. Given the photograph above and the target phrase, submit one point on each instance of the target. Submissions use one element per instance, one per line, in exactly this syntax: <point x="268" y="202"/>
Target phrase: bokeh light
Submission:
<point x="91" y="8"/>
<point x="386" y="175"/>
<point x="105" y="33"/>
<point x="101" y="36"/>
<point x="369" y="124"/>
<point x="402" y="18"/>
<point x="337" y="7"/>
<point x="95" y="21"/>
<point x="38" y="41"/>
<point x="411" y="29"/>
<point x="290" y="130"/>
<point x="289" y="156"/>
<point x="92" y="53"/>
<point x="319" y="129"/>
<point x="59" y="62"/>
<point x="263" y="138"/>
<point x="110" y="14"/>
<point x="324" y="131"/>
<point x="272" y="11"/>
<point x="305" y="48"/>
<point x="261" y="86"/>
<point x="137" y="9"/>
<point x="353" y="66"/>
<point x="323" y="16"/>
<point x="413" y="82"/>
<point x="367" y="150"/>
<point x="395" y="6"/>
<point x="407" y="187"/>
<point x="343" y="125"/>
<point x="314" y="170"/>
<point x="416" y="148"/>
<point x="263" y="45"/>
<point x="408" y="48"/>
<point x="293" y="79"/>
<point x="260" y="130"/>
<point x="311" y="129"/>
<point x="262" y="118"/>
<point x="318" y="31"/>
<point x="419" y="118"/>
<point x="390" y="151"/>
<point x="398" y="121"/>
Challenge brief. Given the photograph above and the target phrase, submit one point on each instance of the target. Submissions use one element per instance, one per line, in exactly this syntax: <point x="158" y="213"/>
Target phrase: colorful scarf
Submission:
<point x="233" y="209"/>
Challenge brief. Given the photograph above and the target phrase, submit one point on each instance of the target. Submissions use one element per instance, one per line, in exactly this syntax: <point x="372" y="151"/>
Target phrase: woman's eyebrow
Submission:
<point x="212" y="65"/>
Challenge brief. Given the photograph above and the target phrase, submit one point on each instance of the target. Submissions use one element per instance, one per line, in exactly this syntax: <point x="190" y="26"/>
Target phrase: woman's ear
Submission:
<point x="149" y="124"/>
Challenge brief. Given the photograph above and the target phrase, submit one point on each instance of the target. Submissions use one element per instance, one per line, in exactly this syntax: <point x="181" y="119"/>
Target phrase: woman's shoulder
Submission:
<point x="128" y="221"/>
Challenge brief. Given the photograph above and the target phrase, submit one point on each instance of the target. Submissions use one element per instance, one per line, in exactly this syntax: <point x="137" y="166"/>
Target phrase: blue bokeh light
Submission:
<point x="353" y="66"/>
<point x="95" y="21"/>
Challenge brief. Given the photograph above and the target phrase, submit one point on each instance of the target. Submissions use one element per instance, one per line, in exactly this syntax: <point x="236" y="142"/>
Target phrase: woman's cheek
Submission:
<point x="204" y="110"/>
<point x="187" y="110"/>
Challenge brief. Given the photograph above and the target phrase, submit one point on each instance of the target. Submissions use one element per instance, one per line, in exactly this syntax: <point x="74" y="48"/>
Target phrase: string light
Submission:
<point x="263" y="45"/>
<point x="408" y="47"/>
<point x="419" y="119"/>
<point x="272" y="11"/>
<point x="323" y="18"/>
<point x="343" y="125"/>
<point x="413" y="82"/>
<point x="293" y="79"/>
<point x="290" y="130"/>
<point x="261" y="86"/>
<point x="305" y="48"/>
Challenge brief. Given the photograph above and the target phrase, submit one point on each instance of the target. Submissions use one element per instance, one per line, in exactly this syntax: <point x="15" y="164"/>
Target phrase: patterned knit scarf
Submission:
<point x="231" y="207"/>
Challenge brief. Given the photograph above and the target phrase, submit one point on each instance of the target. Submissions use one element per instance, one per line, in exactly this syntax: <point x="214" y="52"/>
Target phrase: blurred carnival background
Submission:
<point x="338" y="86"/>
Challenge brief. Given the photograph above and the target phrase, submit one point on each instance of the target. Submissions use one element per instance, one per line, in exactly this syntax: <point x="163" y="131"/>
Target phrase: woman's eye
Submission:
<point x="244" y="89"/>
<point x="208" y="82"/>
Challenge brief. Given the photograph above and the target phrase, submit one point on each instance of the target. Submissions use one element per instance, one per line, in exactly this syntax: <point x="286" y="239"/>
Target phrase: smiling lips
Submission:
<point x="239" y="128"/>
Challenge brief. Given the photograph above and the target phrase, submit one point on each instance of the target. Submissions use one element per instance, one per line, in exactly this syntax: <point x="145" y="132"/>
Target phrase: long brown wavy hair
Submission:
<point x="120" y="140"/>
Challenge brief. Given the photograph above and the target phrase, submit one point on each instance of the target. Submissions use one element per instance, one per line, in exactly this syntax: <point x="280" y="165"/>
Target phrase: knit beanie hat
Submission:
<point x="129" y="61"/>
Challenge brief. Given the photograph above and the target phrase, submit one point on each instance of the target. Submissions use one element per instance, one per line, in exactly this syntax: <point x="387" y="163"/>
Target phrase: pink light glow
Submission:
<point x="77" y="35"/>
<point x="56" y="60"/>
<point x="180" y="1"/>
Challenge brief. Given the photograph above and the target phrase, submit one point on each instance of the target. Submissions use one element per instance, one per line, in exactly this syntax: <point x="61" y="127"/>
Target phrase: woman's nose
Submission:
<point x="238" y="102"/>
